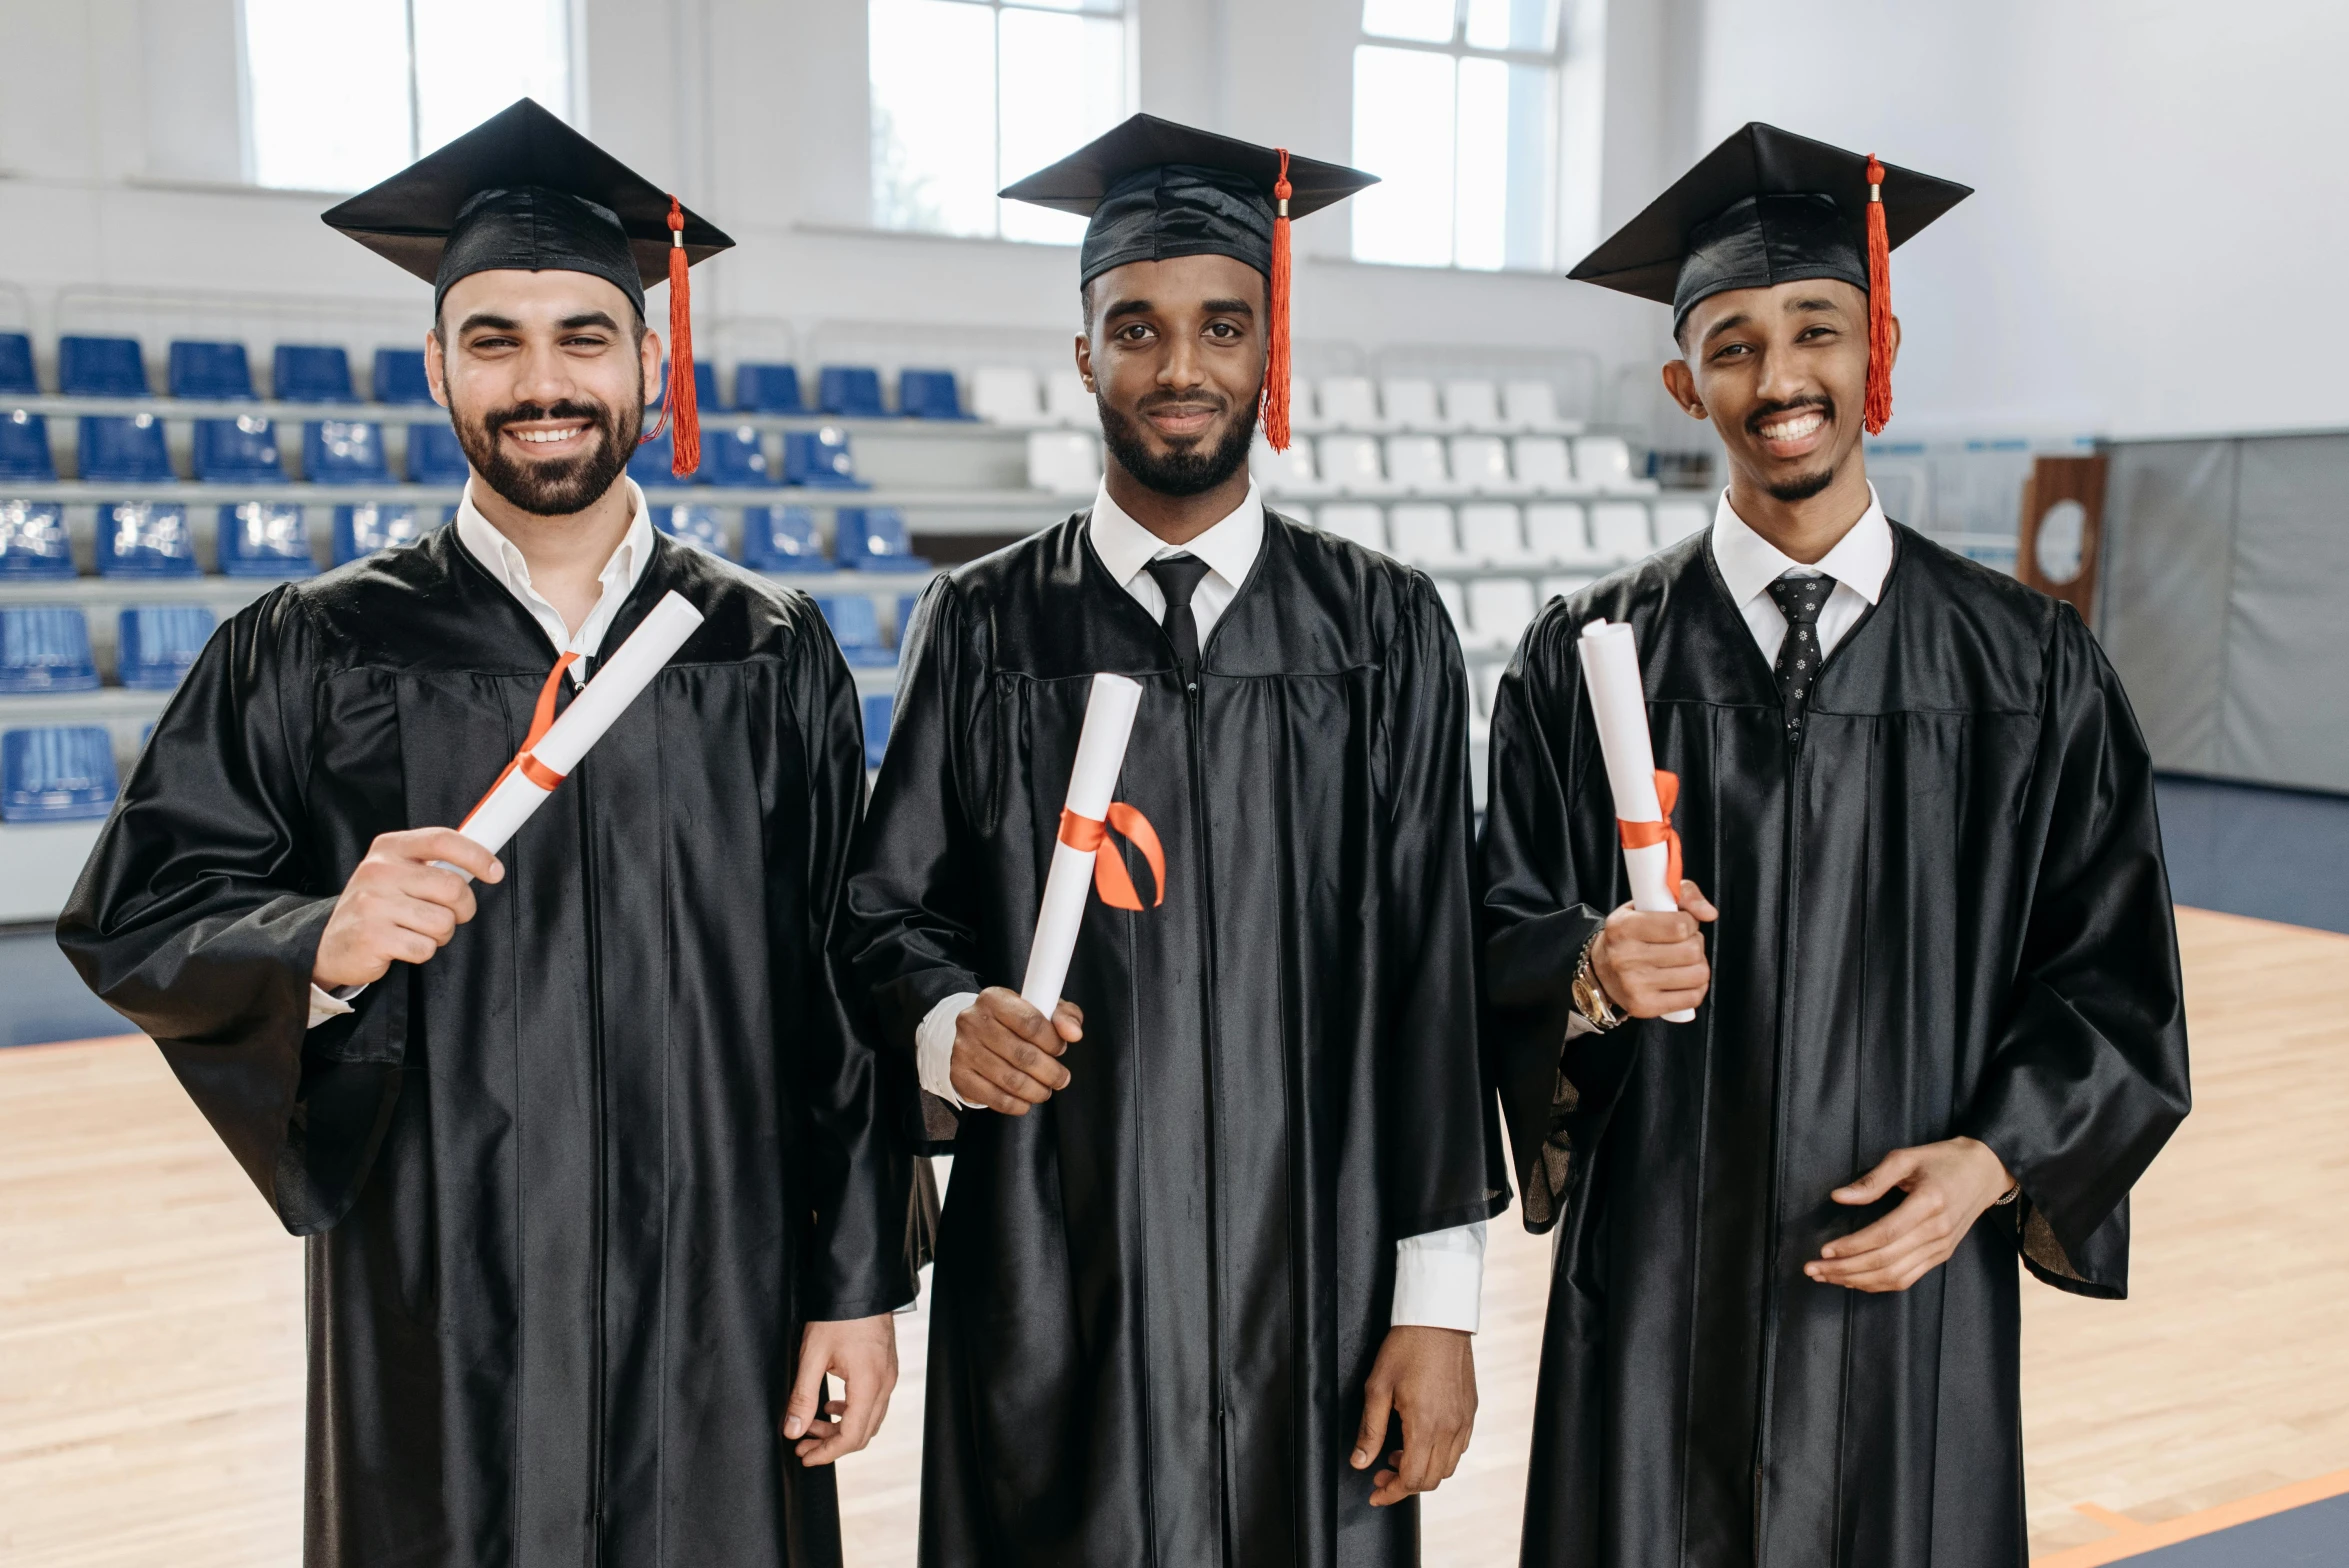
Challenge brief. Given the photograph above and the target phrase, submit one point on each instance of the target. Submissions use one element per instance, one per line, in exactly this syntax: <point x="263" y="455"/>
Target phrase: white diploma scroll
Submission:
<point x="1610" y="672"/>
<point x="1101" y="751"/>
<point x="599" y="704"/>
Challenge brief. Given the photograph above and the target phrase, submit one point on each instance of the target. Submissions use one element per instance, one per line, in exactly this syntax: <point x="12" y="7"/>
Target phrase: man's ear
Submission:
<point x="648" y="362"/>
<point x="1085" y="359"/>
<point x="1680" y="381"/>
<point x="436" y="368"/>
<point x="1895" y="324"/>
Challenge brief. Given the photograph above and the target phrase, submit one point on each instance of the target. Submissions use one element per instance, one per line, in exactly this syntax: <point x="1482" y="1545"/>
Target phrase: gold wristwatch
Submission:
<point x="1590" y="997"/>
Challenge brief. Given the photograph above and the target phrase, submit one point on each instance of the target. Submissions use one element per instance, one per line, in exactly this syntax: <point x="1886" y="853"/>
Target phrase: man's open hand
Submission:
<point x="1655" y="964"/>
<point x="1948" y="1184"/>
<point x="398" y="906"/>
<point x="1006" y="1057"/>
<point x="862" y="1353"/>
<point x="1427" y="1376"/>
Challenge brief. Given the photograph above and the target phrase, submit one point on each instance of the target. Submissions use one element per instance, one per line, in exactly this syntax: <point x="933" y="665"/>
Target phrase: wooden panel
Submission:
<point x="2054" y="482"/>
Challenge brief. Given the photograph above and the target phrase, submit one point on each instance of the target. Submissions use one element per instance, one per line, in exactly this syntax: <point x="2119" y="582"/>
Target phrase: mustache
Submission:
<point x="523" y="413"/>
<point x="1769" y="411"/>
<point x="1197" y="398"/>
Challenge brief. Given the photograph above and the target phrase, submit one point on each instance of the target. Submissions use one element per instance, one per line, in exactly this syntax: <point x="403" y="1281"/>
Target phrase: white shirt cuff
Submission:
<point x="330" y="1004"/>
<point x="1439" y="1279"/>
<point x="1577" y="1026"/>
<point x="934" y="1048"/>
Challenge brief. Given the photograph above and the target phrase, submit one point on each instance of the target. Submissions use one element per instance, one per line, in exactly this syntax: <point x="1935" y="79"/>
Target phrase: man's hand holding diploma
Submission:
<point x="399" y="907"/>
<point x="1654" y="963"/>
<point x="1006" y="1056"/>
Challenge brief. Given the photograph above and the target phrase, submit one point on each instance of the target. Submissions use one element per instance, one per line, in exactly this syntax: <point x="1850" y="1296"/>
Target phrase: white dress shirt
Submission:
<point x="1439" y="1277"/>
<point x="500" y="557"/>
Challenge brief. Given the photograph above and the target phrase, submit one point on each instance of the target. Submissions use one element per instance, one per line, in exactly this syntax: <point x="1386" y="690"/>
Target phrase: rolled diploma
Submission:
<point x="599" y="704"/>
<point x="1101" y="751"/>
<point x="1610" y="670"/>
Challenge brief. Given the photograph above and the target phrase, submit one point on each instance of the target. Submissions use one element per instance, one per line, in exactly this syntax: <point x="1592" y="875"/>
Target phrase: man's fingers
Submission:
<point x="1004" y="1076"/>
<point x="1068" y="1021"/>
<point x="1377" y="1406"/>
<point x="452" y="846"/>
<point x="1692" y="899"/>
<point x="975" y="1090"/>
<point x="991" y="1037"/>
<point x="807" y="1394"/>
<point x="430" y="884"/>
<point x="1915" y="1211"/>
<point x="1889" y="1173"/>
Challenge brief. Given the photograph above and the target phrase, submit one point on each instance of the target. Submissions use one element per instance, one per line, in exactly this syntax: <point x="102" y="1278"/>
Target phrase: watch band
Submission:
<point x="1590" y="997"/>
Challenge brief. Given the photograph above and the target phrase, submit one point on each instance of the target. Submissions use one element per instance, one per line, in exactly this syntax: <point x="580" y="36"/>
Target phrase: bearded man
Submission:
<point x="593" y="1185"/>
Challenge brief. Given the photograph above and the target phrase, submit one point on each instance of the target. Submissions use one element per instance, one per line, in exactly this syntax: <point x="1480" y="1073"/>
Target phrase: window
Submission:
<point x="1456" y="107"/>
<point x="969" y="95"/>
<point x="340" y="96"/>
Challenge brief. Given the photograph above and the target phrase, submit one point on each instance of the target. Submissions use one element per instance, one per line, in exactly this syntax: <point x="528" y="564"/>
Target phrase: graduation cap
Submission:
<point x="524" y="191"/>
<point x="1768" y="207"/>
<point x="1154" y="190"/>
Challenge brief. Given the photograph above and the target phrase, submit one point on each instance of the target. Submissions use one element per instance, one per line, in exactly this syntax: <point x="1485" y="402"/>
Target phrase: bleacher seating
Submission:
<point x="850" y="392"/>
<point x="650" y="464"/>
<point x="1359" y="521"/>
<point x="33" y="541"/>
<point x="1619" y="531"/>
<point x="100" y="367"/>
<point x="905" y="610"/>
<point x="311" y="373"/>
<point x="694" y="525"/>
<point x="434" y="457"/>
<point x="264" y="539"/>
<point x="1676" y="520"/>
<point x="1305" y="407"/>
<point x="1481" y="463"/>
<point x="1456" y="606"/>
<point x="400" y="377"/>
<point x="370" y="526"/>
<point x="1532" y="406"/>
<point x="929" y="394"/>
<point x="1564" y="586"/>
<point x="1285" y="473"/>
<point x="1410" y="404"/>
<point x="209" y="370"/>
<point x="1558" y="532"/>
<point x="735" y="457"/>
<point x="124" y="448"/>
<point x="856" y="627"/>
<point x="16" y="364"/>
<point x="1499" y="609"/>
<point x="145" y="539"/>
<point x="240" y="451"/>
<point x="782" y="539"/>
<point x="1542" y="464"/>
<point x="1492" y="532"/>
<point x="877" y="711"/>
<point x="1473" y="405"/>
<point x="156" y="643"/>
<point x="24" y="447"/>
<point x="44" y="648"/>
<point x="56" y="773"/>
<point x="1352" y="464"/>
<point x="344" y="452"/>
<point x="1418" y="463"/>
<point x="1349" y="403"/>
<point x="1421" y="532"/>
<point x="874" y="539"/>
<point x="1007" y="395"/>
<point x="820" y="458"/>
<point x="768" y="389"/>
<point x="1064" y="462"/>
<point x="1067" y="401"/>
<point x="1602" y="460"/>
<point x="705" y="390"/>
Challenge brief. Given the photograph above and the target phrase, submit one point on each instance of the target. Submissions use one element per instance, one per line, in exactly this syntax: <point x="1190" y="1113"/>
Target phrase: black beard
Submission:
<point x="1803" y="488"/>
<point x="560" y="487"/>
<point x="1188" y="471"/>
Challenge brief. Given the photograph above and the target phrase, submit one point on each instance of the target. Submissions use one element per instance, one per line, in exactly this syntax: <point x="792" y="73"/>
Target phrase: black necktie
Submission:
<point x="1799" y="599"/>
<point x="1178" y="577"/>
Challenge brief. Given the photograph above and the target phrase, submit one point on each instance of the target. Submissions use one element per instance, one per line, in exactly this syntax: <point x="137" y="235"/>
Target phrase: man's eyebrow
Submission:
<point x="1741" y="319"/>
<point x="1229" y="307"/>
<point x="1128" y="307"/>
<point x="1798" y="306"/>
<point x="483" y="320"/>
<point x="593" y="318"/>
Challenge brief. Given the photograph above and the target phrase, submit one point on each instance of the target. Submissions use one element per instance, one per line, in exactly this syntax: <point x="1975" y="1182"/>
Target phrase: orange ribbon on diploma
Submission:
<point x="1090" y="835"/>
<point x="1082" y="853"/>
<point x="1646" y="835"/>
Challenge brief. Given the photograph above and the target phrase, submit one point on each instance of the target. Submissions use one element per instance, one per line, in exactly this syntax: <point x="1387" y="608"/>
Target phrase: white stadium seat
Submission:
<point x="1481" y="463"/>
<point x="1350" y="403"/>
<point x="1490" y="532"/>
<point x="1422" y="534"/>
<point x="1066" y="402"/>
<point x="1488" y="685"/>
<point x="1285" y="473"/>
<point x="1604" y="461"/>
<point x="1473" y="405"/>
<point x="1542" y="465"/>
<point x="1564" y="587"/>
<point x="1449" y="591"/>
<point x="1411" y="405"/>
<point x="1006" y="394"/>
<point x="1417" y="463"/>
<point x="1676" y="520"/>
<point x="1359" y="521"/>
<point x="1559" y="533"/>
<point x="1351" y="465"/>
<point x="1066" y="462"/>
<point x="1498" y="610"/>
<point x="1532" y="406"/>
<point x="1305" y="407"/>
<point x="1620" y="530"/>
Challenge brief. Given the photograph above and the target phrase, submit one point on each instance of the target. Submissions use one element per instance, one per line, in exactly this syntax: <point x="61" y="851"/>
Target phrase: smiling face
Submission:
<point x="1174" y="352"/>
<point x="1782" y="372"/>
<point x="543" y="375"/>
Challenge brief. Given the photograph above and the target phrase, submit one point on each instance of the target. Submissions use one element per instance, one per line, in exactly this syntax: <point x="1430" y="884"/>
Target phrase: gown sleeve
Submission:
<point x="871" y="1230"/>
<point x="199" y="914"/>
<point x="1540" y="907"/>
<point x="909" y="936"/>
<point x="2088" y="1078"/>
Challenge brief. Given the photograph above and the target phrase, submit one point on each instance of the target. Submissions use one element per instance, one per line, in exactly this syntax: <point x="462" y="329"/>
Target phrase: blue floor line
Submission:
<point x="2303" y="1537"/>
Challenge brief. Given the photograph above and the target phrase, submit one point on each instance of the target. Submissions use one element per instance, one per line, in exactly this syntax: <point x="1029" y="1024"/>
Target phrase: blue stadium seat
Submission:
<point x="213" y="370"/>
<point x="145" y="539"/>
<point x="374" y="525"/>
<point x="45" y="647"/>
<point x="856" y="626"/>
<point x="16" y="364"/>
<point x="693" y="525"/>
<point x="650" y="465"/>
<point x="344" y="452"/>
<point x="434" y="457"/>
<point x="873" y="539"/>
<point x="33" y="541"/>
<point x="736" y="457"/>
<point x="24" y="446"/>
<point x="239" y="451"/>
<point x="264" y="539"/>
<point x="705" y="388"/>
<point x="929" y="394"/>
<point x="311" y="373"/>
<point x="100" y="367"/>
<point x="399" y="376"/>
<point x="782" y="539"/>
<point x="157" y="642"/>
<point x="905" y="609"/>
<point x="878" y="709"/>
<point x="56" y="773"/>
<point x="851" y="391"/>
<point x="820" y="457"/>
<point x="125" y="447"/>
<point x="768" y="389"/>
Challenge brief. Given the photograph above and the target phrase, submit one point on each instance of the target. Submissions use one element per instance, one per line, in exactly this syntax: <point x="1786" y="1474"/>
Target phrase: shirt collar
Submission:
<point x="1229" y="547"/>
<point x="1750" y="563"/>
<point x="503" y="558"/>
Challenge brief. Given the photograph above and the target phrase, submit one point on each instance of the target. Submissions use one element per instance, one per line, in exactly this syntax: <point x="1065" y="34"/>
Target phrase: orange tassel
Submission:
<point x="1276" y="359"/>
<point x="1879" y="403"/>
<point x="683" y="413"/>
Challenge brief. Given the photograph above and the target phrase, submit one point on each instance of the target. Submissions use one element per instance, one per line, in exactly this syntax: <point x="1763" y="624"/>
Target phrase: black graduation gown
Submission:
<point x="1943" y="912"/>
<point x="1158" y="1296"/>
<point x="571" y="1187"/>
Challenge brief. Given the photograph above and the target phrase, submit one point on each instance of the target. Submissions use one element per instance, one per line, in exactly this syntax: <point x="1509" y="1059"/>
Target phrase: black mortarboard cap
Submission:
<point x="1155" y="190"/>
<point x="1768" y="207"/>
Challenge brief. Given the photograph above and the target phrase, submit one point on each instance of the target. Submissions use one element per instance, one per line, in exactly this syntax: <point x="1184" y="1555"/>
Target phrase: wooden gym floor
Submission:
<point x="151" y="1345"/>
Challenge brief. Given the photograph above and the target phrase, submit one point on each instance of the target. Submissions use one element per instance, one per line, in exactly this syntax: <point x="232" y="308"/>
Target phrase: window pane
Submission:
<point x="474" y="57"/>
<point x="1484" y="163"/>
<point x="329" y="91"/>
<point x="1513" y="24"/>
<point x="1064" y="83"/>
<point x="1429" y="21"/>
<point x="1533" y="178"/>
<point x="1403" y="132"/>
<point x="1098" y="7"/>
<point x="933" y="64"/>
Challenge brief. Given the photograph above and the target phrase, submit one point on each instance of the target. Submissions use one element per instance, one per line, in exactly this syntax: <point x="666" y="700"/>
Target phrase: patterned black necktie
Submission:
<point x="1178" y="576"/>
<point x="1799" y="599"/>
